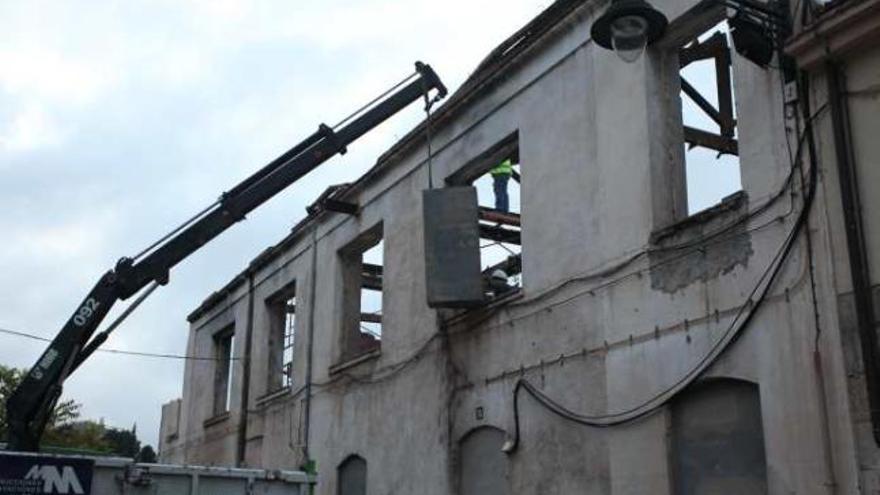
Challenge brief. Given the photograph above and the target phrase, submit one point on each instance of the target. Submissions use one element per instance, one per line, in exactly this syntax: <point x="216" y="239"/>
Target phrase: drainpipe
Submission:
<point x="310" y="346"/>
<point x="246" y="375"/>
<point x="855" y="239"/>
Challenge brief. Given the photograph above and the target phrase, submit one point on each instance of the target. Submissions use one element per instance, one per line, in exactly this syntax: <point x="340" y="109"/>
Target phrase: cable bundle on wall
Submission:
<point x="740" y="322"/>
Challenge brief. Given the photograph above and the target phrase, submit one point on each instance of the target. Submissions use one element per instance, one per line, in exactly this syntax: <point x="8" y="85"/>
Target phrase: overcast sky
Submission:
<point x="120" y="119"/>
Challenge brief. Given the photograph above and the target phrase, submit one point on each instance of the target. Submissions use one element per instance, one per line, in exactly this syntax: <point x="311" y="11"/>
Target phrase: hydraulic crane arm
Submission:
<point x="31" y="404"/>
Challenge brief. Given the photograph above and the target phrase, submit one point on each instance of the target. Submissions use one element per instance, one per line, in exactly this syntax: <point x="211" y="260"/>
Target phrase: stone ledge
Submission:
<point x="216" y="419"/>
<point x="354" y="361"/>
<point x="265" y="399"/>
<point x="729" y="210"/>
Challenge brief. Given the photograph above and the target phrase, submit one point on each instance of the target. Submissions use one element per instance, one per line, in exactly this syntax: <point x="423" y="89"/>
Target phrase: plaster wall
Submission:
<point x="611" y="316"/>
<point x="855" y="451"/>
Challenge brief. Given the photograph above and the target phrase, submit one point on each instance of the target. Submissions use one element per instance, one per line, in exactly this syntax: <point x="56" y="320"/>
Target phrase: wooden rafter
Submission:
<point x="717" y="49"/>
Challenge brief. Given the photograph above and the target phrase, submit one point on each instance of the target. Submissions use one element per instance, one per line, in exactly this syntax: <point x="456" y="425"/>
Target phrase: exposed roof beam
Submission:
<point x="721" y="144"/>
<point x="495" y="216"/>
<point x="500" y="234"/>
<point x="371" y="318"/>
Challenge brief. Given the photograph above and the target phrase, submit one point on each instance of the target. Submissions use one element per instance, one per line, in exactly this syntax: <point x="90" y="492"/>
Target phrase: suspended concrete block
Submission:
<point x="452" y="247"/>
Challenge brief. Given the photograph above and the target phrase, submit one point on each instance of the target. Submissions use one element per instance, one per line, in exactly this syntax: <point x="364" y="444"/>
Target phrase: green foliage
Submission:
<point x="122" y="442"/>
<point x="82" y="435"/>
<point x="65" y="412"/>
<point x="147" y="454"/>
<point x="64" y="428"/>
<point x="9" y="379"/>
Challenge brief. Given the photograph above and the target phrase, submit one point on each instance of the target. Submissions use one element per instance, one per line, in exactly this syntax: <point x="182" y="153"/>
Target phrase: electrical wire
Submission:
<point x="733" y="332"/>
<point x="120" y="351"/>
<point x="386" y="372"/>
<point x="396" y="368"/>
<point x="692" y="247"/>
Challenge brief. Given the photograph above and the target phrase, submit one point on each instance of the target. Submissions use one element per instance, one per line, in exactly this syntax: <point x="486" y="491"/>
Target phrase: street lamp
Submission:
<point x="757" y="29"/>
<point x="627" y="27"/>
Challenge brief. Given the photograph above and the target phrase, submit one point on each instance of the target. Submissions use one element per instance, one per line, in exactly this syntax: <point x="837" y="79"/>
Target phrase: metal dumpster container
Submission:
<point x="27" y="473"/>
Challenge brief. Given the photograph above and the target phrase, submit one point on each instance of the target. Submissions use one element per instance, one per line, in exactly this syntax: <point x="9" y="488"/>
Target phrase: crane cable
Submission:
<point x="429" y="104"/>
<point x="374" y="101"/>
<point x="216" y="203"/>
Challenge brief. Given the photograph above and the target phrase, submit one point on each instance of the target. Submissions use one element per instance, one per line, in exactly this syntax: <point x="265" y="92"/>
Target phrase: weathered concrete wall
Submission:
<point x="855" y="450"/>
<point x="622" y="300"/>
<point x="170" y="449"/>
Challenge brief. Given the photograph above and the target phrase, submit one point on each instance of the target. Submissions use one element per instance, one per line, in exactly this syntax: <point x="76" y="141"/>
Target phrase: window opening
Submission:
<point x="711" y="151"/>
<point x="289" y="335"/>
<point x="498" y="195"/>
<point x="493" y="173"/>
<point x="282" y="335"/>
<point x="363" y="272"/>
<point x="223" y="371"/>
<point x="371" y="292"/>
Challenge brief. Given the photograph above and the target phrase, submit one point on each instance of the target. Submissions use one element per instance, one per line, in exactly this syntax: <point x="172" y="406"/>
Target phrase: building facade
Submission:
<point x="645" y="342"/>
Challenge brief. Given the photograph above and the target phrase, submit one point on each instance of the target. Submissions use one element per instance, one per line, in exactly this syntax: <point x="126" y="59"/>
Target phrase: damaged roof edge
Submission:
<point x="509" y="53"/>
<point x="260" y="261"/>
<point x="267" y="255"/>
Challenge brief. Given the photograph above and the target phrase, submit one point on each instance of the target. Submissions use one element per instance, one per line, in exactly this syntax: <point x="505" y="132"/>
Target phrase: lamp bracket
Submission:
<point x="772" y="14"/>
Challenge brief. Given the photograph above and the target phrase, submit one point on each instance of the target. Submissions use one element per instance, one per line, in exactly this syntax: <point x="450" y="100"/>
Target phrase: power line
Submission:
<point x="119" y="351"/>
<point x="739" y="323"/>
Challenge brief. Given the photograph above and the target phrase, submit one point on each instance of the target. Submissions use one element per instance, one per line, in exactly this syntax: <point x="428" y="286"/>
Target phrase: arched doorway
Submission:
<point x="718" y="440"/>
<point x="352" y="476"/>
<point x="483" y="468"/>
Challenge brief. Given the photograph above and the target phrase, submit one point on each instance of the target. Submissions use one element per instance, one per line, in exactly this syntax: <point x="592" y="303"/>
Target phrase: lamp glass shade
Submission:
<point x="629" y="37"/>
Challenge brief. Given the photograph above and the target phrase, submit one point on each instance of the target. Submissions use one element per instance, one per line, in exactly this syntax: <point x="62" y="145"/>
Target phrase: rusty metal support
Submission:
<point x="495" y="216"/>
<point x="372" y="283"/>
<point x="725" y="91"/>
<point x="515" y="175"/>
<point x="499" y="234"/>
<point x="371" y="270"/>
<point x="716" y="48"/>
<point x="371" y="318"/>
<point x="721" y="144"/>
<point x="711" y="48"/>
<point x="371" y="276"/>
<point x="701" y="102"/>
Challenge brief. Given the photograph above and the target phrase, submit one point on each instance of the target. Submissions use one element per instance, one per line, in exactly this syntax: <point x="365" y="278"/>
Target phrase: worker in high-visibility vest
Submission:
<point x="500" y="176"/>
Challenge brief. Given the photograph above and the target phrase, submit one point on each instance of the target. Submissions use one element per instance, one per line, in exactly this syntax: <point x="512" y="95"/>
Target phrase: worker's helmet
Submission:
<point x="499" y="275"/>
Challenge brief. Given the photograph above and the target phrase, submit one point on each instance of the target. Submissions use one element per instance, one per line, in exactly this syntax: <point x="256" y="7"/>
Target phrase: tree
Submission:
<point x="147" y="454"/>
<point x="65" y="413"/>
<point x="64" y="428"/>
<point x="122" y="442"/>
<point x="80" y="435"/>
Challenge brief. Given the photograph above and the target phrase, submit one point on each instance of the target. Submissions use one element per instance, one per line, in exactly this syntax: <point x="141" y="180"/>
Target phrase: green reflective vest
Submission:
<point x="503" y="168"/>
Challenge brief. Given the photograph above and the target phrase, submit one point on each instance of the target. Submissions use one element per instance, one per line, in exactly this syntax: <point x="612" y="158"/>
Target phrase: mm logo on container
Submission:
<point x="56" y="479"/>
<point x="29" y="474"/>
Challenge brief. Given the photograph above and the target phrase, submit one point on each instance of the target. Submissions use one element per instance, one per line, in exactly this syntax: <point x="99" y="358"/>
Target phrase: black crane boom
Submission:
<point x="30" y="405"/>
